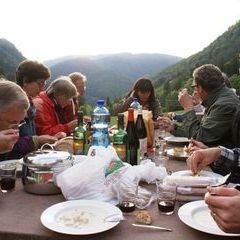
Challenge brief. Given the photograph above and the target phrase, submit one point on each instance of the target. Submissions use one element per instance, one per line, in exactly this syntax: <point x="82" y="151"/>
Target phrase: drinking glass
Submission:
<point x="144" y="197"/>
<point x="126" y="196"/>
<point x="166" y="198"/>
<point x="7" y="177"/>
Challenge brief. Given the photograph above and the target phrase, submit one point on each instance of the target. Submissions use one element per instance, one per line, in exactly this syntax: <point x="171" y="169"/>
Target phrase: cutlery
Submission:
<point x="152" y="227"/>
<point x="222" y="182"/>
<point x="114" y="218"/>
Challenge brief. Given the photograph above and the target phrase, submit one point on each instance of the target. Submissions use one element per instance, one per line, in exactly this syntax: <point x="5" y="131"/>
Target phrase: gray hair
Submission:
<point x="11" y="93"/>
<point x="62" y="86"/>
<point x="75" y="76"/>
<point x="208" y="76"/>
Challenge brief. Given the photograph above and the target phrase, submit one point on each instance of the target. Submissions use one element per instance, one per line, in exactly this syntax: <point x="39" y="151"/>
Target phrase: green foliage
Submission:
<point x="87" y="109"/>
<point x="223" y="52"/>
<point x="9" y="60"/>
<point x="235" y="81"/>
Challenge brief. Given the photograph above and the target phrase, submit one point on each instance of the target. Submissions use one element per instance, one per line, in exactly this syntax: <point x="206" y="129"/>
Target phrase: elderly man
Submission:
<point x="220" y="104"/>
<point x="70" y="111"/>
<point x="13" y="108"/>
<point x="50" y="104"/>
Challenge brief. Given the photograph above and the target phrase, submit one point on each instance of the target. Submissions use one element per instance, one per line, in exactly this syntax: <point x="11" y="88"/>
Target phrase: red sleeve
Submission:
<point x="47" y="121"/>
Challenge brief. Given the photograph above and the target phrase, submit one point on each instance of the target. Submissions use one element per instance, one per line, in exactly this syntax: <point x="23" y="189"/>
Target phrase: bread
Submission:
<point x="143" y="217"/>
<point x="64" y="144"/>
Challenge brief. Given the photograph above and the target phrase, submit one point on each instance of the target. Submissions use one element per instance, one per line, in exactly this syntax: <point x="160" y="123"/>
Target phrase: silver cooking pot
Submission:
<point x="40" y="168"/>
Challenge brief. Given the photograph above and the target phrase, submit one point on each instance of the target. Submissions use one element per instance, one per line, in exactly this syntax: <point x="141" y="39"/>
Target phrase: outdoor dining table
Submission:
<point x="20" y="219"/>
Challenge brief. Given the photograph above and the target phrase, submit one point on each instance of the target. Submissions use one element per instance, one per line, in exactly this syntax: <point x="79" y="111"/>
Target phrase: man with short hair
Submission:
<point x="13" y="108"/>
<point x="220" y="104"/>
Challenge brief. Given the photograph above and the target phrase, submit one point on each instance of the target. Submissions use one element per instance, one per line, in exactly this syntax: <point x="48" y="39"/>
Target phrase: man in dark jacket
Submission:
<point x="220" y="105"/>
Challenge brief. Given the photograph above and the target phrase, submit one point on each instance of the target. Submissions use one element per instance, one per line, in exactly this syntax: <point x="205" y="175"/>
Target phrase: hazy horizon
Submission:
<point x="46" y="30"/>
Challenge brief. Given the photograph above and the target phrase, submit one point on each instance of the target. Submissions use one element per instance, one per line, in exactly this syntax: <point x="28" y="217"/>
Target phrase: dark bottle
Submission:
<point x="132" y="139"/>
<point x="142" y="134"/>
<point x="79" y="137"/>
<point x="120" y="139"/>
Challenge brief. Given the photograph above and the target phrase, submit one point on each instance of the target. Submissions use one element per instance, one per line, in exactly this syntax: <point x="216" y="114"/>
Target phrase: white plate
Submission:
<point x="197" y="215"/>
<point x="201" y="174"/>
<point x="177" y="140"/>
<point x="91" y="221"/>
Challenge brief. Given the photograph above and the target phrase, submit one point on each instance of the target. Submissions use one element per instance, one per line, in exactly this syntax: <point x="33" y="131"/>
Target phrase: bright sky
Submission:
<point x="47" y="29"/>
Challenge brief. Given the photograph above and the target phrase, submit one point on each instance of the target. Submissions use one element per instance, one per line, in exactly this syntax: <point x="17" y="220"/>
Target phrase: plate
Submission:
<point x="80" y="217"/>
<point x="177" y="140"/>
<point x="201" y="174"/>
<point x="177" y="153"/>
<point x="197" y="215"/>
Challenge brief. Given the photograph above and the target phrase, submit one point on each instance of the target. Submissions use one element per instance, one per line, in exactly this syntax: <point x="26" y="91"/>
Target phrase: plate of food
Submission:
<point x="197" y="215"/>
<point x="177" y="140"/>
<point x="80" y="217"/>
<point x="178" y="152"/>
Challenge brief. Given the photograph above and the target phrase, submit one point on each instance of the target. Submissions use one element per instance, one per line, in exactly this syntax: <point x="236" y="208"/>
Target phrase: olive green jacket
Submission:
<point x="214" y="128"/>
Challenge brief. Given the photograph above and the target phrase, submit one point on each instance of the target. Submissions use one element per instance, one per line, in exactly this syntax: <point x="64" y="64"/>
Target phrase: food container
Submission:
<point x="39" y="170"/>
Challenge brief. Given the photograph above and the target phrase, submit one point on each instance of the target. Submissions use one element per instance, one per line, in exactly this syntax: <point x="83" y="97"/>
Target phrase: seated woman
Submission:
<point x="143" y="90"/>
<point x="31" y="77"/>
<point x="50" y="103"/>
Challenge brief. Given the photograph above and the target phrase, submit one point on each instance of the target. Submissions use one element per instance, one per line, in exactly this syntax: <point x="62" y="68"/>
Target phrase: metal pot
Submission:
<point x="40" y="168"/>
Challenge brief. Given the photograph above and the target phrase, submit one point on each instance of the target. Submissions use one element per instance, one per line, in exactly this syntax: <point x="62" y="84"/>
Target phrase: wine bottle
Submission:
<point x="79" y="137"/>
<point x="120" y="139"/>
<point x="142" y="134"/>
<point x="132" y="139"/>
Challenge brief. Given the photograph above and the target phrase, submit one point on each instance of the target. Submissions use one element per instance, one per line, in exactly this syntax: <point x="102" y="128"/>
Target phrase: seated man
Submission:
<point x="50" y="103"/>
<point x="7" y="140"/>
<point x="220" y="103"/>
<point x="13" y="108"/>
<point x="70" y="111"/>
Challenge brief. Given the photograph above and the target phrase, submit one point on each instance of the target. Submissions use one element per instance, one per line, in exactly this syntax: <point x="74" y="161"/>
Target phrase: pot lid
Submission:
<point x="46" y="158"/>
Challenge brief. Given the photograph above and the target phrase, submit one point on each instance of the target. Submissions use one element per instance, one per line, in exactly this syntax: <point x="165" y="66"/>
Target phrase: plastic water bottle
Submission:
<point x="135" y="104"/>
<point x="100" y="122"/>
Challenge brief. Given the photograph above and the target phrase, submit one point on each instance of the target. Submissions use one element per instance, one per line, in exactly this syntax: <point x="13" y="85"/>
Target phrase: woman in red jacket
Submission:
<point x="49" y="105"/>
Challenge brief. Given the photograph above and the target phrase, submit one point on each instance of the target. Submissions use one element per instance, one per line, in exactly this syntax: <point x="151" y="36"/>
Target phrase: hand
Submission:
<point x="185" y="100"/>
<point x="201" y="158"/>
<point x="224" y="206"/>
<point x="196" y="145"/>
<point x="72" y="125"/>
<point x="46" y="139"/>
<point x="60" y="135"/>
<point x="166" y="124"/>
<point x="86" y="119"/>
<point x="7" y="139"/>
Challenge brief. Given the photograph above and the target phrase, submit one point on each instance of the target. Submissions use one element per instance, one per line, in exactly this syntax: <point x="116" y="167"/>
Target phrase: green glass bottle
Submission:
<point x="120" y="139"/>
<point x="79" y="137"/>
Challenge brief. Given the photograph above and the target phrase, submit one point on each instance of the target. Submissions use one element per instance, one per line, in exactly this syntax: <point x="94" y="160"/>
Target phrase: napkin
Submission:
<point x="190" y="180"/>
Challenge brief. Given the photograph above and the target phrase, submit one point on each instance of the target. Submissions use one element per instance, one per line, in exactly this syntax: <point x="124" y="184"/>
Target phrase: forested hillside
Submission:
<point x="112" y="75"/>
<point x="10" y="57"/>
<point x="223" y="52"/>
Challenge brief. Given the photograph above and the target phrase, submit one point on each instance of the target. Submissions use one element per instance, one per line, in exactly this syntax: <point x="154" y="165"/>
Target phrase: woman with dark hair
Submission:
<point x="143" y="90"/>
